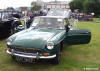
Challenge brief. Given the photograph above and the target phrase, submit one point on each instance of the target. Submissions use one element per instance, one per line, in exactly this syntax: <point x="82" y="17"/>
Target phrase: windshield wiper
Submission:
<point x="49" y="27"/>
<point x="34" y="27"/>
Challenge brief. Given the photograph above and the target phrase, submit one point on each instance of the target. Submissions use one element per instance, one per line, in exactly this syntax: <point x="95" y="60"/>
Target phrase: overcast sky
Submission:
<point x="19" y="3"/>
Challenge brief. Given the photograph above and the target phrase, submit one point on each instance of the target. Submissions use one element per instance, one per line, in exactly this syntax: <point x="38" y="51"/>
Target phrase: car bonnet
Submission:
<point x="36" y="38"/>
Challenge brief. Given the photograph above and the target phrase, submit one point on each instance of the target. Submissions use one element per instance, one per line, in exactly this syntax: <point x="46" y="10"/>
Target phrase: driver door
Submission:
<point x="73" y="37"/>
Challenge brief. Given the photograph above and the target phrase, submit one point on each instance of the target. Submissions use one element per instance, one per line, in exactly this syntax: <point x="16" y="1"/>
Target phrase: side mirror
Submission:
<point x="19" y="28"/>
<point x="67" y="27"/>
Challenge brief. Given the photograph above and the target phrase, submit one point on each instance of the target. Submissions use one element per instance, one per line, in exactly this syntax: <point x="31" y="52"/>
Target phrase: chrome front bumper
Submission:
<point x="35" y="57"/>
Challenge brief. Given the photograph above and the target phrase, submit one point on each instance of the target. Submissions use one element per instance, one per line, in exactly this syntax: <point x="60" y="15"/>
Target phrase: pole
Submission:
<point x="55" y="0"/>
<point x="25" y="20"/>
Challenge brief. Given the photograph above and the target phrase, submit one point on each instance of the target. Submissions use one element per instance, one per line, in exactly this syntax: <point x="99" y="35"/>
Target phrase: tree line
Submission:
<point x="86" y="6"/>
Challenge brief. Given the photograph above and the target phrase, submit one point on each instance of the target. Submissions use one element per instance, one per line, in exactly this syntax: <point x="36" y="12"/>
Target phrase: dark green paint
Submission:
<point x="38" y="38"/>
<point x="82" y="36"/>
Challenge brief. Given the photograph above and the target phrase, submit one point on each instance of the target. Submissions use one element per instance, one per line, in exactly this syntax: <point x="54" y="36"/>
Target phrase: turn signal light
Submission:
<point x="45" y="54"/>
<point x="9" y="49"/>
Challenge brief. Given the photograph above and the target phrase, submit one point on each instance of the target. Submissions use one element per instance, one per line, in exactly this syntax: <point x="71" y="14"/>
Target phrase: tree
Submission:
<point x="33" y="3"/>
<point x="86" y="6"/>
<point x="77" y="4"/>
<point x="10" y="9"/>
<point x="35" y="7"/>
<point x="91" y="6"/>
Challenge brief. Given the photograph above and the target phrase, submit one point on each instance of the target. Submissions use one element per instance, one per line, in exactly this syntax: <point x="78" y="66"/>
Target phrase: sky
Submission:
<point x="19" y="3"/>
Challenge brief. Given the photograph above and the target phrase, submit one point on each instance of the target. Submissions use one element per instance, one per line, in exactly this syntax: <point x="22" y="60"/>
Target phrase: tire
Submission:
<point x="13" y="57"/>
<point x="61" y="46"/>
<point x="56" y="60"/>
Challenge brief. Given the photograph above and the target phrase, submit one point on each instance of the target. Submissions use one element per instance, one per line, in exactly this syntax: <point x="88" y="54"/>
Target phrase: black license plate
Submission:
<point x="23" y="59"/>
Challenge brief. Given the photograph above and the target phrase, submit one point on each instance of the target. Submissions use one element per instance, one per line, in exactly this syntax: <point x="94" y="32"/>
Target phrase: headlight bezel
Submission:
<point x="9" y="41"/>
<point x="50" y="45"/>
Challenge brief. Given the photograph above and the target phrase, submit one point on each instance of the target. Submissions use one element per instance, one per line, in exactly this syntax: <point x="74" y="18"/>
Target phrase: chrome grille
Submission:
<point x="26" y="51"/>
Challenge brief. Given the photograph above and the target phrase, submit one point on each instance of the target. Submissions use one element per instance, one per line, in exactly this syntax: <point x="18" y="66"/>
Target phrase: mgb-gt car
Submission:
<point x="45" y="39"/>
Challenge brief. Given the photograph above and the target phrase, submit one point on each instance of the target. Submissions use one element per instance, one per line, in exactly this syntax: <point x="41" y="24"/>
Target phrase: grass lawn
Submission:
<point x="74" y="58"/>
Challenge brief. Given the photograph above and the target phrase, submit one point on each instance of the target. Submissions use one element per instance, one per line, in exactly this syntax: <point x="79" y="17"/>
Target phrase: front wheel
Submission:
<point x="13" y="57"/>
<point x="56" y="60"/>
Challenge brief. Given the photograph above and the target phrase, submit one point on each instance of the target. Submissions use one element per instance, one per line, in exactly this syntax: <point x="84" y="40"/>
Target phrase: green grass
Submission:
<point x="74" y="58"/>
<point x="96" y="19"/>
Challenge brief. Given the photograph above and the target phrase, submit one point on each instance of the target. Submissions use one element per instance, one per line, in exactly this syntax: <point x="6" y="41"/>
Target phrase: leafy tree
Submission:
<point x="91" y="6"/>
<point x="77" y="4"/>
<point x="35" y="7"/>
<point x="86" y="6"/>
<point x="10" y="8"/>
<point x="33" y="3"/>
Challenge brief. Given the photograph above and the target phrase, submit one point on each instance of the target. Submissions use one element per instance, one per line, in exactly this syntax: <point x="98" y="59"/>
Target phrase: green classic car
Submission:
<point x="45" y="39"/>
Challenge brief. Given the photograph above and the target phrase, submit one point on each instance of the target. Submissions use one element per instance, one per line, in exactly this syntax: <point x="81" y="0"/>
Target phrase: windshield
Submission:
<point x="56" y="23"/>
<point x="6" y="15"/>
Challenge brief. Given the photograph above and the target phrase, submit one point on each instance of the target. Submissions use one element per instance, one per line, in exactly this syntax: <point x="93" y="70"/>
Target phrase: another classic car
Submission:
<point x="45" y="39"/>
<point x="8" y="23"/>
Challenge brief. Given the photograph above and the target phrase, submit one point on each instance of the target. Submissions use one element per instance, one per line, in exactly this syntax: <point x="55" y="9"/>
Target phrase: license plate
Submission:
<point x="23" y="59"/>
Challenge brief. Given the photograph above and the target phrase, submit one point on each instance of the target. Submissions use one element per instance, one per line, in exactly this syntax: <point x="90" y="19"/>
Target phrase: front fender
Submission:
<point x="59" y="37"/>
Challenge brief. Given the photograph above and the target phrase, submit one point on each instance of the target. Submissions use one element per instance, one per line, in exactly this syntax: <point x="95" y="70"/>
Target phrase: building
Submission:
<point x="57" y="4"/>
<point x="54" y="4"/>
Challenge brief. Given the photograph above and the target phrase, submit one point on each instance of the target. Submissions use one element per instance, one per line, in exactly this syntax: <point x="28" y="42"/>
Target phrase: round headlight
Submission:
<point x="50" y="45"/>
<point x="9" y="41"/>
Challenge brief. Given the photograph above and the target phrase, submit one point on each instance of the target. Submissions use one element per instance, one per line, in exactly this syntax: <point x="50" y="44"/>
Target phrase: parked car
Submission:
<point x="8" y="23"/>
<point x="82" y="16"/>
<point x="45" y="39"/>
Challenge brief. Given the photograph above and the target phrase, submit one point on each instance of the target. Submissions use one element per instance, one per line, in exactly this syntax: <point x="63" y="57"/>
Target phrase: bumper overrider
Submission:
<point x="37" y="56"/>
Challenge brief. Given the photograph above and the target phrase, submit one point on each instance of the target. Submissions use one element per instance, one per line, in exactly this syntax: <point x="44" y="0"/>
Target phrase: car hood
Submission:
<point x="36" y="38"/>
